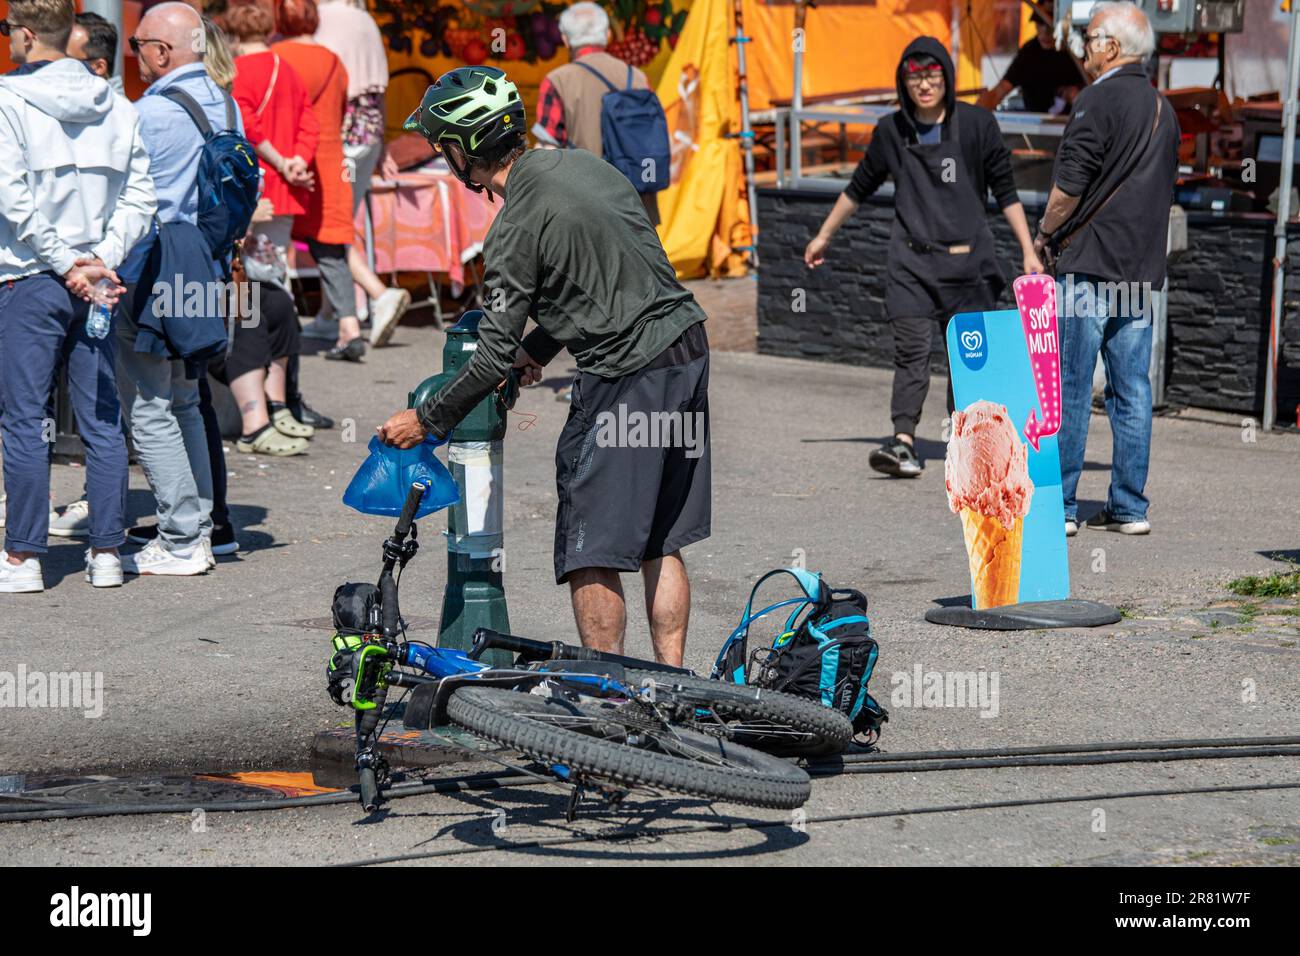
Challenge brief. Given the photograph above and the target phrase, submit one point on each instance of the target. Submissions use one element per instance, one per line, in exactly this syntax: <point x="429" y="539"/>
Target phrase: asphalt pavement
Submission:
<point x="224" y="672"/>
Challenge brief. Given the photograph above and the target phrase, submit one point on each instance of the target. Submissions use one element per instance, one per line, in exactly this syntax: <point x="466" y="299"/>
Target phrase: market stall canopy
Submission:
<point x="848" y="46"/>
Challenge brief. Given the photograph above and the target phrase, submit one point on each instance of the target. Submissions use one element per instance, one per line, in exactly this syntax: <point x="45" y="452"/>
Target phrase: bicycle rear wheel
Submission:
<point x="624" y="742"/>
<point x="767" y="720"/>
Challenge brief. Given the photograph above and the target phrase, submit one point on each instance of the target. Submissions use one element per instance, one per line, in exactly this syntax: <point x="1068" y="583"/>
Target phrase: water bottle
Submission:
<point x="100" y="317"/>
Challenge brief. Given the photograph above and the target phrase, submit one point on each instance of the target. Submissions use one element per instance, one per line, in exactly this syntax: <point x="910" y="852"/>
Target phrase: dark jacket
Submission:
<point x="1109" y="144"/>
<point x="178" y="302"/>
<point x="986" y="156"/>
<point x="572" y="248"/>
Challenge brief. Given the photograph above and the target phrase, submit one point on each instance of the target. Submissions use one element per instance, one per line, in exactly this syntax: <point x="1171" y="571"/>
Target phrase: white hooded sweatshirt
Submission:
<point x="74" y="174"/>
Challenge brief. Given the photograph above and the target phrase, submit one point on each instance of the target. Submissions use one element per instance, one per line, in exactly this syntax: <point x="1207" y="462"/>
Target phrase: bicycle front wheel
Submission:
<point x="623" y="742"/>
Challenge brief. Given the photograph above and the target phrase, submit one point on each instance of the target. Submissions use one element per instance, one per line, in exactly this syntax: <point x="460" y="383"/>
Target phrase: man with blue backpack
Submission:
<point x="599" y="103"/>
<point x="166" y="333"/>
<point x="572" y="249"/>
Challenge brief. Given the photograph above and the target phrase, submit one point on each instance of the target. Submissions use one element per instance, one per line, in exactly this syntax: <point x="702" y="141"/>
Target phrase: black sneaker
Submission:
<point x="307" y="415"/>
<point x="896" y="458"/>
<point x="1105" y="521"/>
<point x="223" y="539"/>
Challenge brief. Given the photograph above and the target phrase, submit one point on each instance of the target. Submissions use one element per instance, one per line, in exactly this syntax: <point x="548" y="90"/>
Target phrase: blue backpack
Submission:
<point x="633" y="129"/>
<point x="229" y="178"/>
<point x="824" y="652"/>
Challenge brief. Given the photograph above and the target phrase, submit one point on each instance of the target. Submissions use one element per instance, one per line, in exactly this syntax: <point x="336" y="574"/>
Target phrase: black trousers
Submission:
<point x="913" y="341"/>
<point x="256" y="344"/>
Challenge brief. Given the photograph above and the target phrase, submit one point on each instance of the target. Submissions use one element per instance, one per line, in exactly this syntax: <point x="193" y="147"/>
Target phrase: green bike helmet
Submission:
<point x="471" y="113"/>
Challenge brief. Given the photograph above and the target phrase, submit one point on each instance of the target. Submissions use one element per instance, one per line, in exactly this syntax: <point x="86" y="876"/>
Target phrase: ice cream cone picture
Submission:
<point x="987" y="477"/>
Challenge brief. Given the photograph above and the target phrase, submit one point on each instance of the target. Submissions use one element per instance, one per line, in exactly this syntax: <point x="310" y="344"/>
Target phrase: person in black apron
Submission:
<point x="944" y="157"/>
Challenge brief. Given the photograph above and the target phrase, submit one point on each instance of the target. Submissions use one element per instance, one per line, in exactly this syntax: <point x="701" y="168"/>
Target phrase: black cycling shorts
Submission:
<point x="633" y="463"/>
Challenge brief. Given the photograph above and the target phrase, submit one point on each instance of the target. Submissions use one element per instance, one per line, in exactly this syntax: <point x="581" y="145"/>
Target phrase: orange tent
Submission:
<point x="847" y="46"/>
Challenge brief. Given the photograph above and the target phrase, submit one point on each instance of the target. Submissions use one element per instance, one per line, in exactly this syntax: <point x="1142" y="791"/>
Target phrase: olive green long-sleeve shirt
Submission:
<point x="573" y="249"/>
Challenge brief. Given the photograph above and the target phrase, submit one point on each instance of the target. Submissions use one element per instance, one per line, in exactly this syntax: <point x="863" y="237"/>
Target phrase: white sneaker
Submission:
<point x="1071" y="528"/>
<point x="22" y="578"/>
<point x="388" y="311"/>
<point x="209" y="555"/>
<point x="153" y="558"/>
<point x="319" y="328"/>
<point x="103" y="570"/>
<point x="73" y="523"/>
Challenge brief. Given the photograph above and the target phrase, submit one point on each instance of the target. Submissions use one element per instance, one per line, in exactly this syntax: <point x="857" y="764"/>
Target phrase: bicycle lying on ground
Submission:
<point x="595" y="721"/>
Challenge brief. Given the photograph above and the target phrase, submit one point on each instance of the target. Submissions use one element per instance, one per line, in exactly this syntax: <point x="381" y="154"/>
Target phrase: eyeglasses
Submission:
<point x="135" y="43"/>
<point x="933" y="77"/>
<point x="1099" y="35"/>
<point x="7" y="27"/>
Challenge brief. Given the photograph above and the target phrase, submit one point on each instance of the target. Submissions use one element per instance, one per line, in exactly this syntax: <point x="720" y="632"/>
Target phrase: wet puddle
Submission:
<point x="27" y="792"/>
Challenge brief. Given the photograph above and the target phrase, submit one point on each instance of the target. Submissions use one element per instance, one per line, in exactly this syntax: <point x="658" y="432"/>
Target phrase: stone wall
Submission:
<point x="1218" y="318"/>
<point x="1218" y="302"/>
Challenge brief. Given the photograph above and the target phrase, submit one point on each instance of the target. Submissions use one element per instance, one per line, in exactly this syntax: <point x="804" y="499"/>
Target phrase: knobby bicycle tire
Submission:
<point x="828" y="731"/>
<point x="524" y="722"/>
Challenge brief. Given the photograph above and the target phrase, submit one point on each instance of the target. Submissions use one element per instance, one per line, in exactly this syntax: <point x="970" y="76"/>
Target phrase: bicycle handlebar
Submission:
<point x="390" y="615"/>
<point x="412" y="505"/>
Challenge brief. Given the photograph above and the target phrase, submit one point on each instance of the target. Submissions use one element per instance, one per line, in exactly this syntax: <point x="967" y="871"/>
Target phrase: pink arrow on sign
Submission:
<point x="1036" y="299"/>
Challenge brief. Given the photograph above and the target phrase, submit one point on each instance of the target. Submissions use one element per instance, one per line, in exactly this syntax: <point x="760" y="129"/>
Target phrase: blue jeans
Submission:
<point x="43" y="326"/>
<point x="1118" y="329"/>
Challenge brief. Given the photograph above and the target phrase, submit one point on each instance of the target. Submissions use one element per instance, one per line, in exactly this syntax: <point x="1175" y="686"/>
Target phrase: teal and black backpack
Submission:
<point x="824" y="652"/>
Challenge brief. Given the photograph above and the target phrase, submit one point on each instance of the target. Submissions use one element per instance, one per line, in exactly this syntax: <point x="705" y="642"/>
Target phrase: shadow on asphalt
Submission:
<point x="929" y="449"/>
<point x="67" y="556"/>
<point x="1289" y="557"/>
<point x="540" y="814"/>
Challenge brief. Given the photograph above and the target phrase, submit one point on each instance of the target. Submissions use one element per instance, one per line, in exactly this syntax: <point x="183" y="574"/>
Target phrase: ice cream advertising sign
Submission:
<point x="1003" y="472"/>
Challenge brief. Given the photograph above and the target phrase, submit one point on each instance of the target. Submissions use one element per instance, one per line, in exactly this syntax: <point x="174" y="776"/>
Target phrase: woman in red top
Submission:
<point x="278" y="120"/>
<point x="327" y="223"/>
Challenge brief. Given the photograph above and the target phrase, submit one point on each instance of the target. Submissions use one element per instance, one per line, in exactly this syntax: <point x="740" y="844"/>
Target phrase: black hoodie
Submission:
<point x="985" y="155"/>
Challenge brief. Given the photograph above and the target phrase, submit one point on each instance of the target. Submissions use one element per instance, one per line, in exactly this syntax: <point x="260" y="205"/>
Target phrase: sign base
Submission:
<point x="1030" y="615"/>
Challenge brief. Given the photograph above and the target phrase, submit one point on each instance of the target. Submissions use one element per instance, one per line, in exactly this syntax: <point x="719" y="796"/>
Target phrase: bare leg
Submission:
<point x="668" y="606"/>
<point x="250" y="396"/>
<point x="599" y="608"/>
<point x="349" y="329"/>
<point x="362" y="274"/>
<point x="277" y="377"/>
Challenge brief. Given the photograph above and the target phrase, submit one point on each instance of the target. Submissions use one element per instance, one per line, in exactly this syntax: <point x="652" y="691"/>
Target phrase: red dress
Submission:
<point x="328" y="217"/>
<point x="285" y="118"/>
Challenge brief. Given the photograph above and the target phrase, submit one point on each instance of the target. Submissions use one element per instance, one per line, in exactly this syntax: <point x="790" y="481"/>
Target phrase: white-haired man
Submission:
<point x="1106" y="222"/>
<point x="569" y="98"/>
